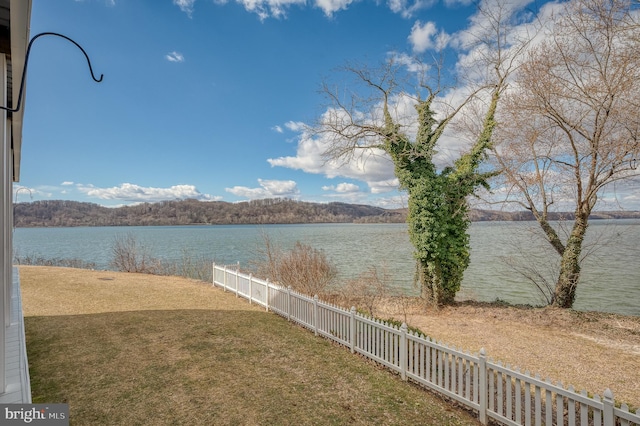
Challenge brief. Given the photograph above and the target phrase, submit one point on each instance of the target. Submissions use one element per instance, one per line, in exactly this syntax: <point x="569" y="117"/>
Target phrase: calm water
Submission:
<point x="611" y="275"/>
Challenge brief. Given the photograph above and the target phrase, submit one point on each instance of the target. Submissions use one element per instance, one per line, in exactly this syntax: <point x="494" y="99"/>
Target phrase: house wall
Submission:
<point x="5" y="223"/>
<point x="15" y="18"/>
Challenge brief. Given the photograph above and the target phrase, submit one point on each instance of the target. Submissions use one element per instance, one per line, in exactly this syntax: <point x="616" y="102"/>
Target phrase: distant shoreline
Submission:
<point x="60" y="213"/>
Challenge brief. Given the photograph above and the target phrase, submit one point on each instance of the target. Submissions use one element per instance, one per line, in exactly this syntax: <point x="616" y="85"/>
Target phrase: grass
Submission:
<point x="138" y="349"/>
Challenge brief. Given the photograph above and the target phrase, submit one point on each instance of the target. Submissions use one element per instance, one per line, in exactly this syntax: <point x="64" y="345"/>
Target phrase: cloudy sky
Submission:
<point x="208" y="99"/>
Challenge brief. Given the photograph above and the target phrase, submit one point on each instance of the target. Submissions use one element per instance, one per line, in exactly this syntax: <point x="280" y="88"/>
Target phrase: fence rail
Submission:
<point x="496" y="392"/>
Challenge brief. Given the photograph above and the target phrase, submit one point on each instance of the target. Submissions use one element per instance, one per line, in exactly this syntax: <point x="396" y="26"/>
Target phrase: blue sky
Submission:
<point x="206" y="99"/>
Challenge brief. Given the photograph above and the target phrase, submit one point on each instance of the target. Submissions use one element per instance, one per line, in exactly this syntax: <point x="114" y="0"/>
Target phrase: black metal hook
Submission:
<point x="26" y="64"/>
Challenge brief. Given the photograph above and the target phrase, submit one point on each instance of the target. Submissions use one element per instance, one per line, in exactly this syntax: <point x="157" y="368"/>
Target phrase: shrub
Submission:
<point x="131" y="256"/>
<point x="303" y="268"/>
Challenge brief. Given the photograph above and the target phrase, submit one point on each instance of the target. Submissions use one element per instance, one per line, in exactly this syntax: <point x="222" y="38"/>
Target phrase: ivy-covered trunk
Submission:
<point x="431" y="281"/>
<point x="438" y="207"/>
<point x="438" y="231"/>
<point x="567" y="283"/>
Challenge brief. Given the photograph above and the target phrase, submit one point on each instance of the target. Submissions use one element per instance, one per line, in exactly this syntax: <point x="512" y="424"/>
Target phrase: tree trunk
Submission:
<point x="424" y="281"/>
<point x="431" y="285"/>
<point x="567" y="283"/>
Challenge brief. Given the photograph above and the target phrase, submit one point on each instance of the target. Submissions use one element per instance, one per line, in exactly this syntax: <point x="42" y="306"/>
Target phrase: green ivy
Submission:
<point x="438" y="208"/>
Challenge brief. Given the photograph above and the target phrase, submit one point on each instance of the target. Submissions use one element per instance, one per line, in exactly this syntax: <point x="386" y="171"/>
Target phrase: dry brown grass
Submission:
<point x="589" y="350"/>
<point x="139" y="349"/>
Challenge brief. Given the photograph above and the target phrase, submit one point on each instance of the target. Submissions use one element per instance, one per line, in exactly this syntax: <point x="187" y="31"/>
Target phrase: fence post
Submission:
<point x="224" y="278"/>
<point x="266" y="298"/>
<point x="237" y="282"/>
<point x="213" y="274"/>
<point x="315" y="314"/>
<point x="353" y="329"/>
<point x="289" y="303"/>
<point x="250" y="289"/>
<point x="482" y="386"/>
<point x="607" y="412"/>
<point x="403" y="351"/>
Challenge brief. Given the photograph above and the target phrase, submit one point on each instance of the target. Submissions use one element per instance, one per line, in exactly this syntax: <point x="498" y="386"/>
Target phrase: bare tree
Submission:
<point x="303" y="268"/>
<point x="570" y="125"/>
<point x="403" y="112"/>
<point x="131" y="256"/>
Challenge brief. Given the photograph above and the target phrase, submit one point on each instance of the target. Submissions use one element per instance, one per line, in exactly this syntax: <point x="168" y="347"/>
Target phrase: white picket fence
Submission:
<point x="496" y="392"/>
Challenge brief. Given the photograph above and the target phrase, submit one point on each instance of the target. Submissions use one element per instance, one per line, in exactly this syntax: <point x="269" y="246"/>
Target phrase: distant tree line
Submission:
<point x="51" y="213"/>
<point x="193" y="212"/>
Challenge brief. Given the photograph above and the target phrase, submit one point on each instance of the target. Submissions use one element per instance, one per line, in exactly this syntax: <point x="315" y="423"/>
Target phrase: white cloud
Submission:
<point x="277" y="129"/>
<point x="66" y="183"/>
<point x="174" y="57"/>
<point x="342" y="188"/>
<point x="409" y="62"/>
<point x="134" y="193"/>
<point x="383" y="186"/>
<point x="185" y="5"/>
<point x="426" y="36"/>
<point x="481" y="25"/>
<point x="279" y="187"/>
<point x="421" y="37"/>
<point x="268" y="189"/>
<point x="278" y="8"/>
<point x="275" y="8"/>
<point x="295" y="126"/>
<point x="371" y="166"/>
<point x="407" y="8"/>
<point x="395" y="202"/>
<point x="329" y="7"/>
<point x="269" y="8"/>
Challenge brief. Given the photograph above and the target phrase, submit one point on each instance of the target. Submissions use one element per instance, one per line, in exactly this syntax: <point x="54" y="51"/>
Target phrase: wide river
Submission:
<point x="502" y="254"/>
